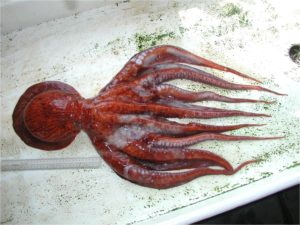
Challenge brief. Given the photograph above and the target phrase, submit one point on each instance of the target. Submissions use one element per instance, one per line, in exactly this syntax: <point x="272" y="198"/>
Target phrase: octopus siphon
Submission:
<point x="129" y="120"/>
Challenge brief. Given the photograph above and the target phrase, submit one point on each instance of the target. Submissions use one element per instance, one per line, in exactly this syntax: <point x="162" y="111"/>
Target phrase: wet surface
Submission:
<point x="86" y="50"/>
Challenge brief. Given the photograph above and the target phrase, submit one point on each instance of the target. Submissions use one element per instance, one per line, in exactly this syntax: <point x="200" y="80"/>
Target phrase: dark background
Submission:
<point x="279" y="208"/>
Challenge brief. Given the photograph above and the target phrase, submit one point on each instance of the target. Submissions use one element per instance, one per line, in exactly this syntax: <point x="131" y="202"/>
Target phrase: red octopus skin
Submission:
<point x="127" y="121"/>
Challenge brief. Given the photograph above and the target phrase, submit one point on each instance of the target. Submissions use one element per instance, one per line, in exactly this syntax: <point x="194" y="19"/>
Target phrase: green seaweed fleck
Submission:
<point x="243" y="19"/>
<point x="266" y="174"/>
<point x="182" y="30"/>
<point x="230" y="9"/>
<point x="295" y="164"/>
<point x="114" y="41"/>
<point x="144" y="41"/>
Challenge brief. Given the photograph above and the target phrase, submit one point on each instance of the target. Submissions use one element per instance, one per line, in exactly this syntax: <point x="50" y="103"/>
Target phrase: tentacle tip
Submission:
<point x="252" y="161"/>
<point x="259" y="160"/>
<point x="252" y="78"/>
<point x="282" y="94"/>
<point x="264" y="115"/>
<point x="283" y="136"/>
<point x="272" y="138"/>
<point x="269" y="102"/>
<point x="258" y="125"/>
<point x="258" y="81"/>
<point x="243" y="165"/>
<point x="275" y="92"/>
<point x="279" y="137"/>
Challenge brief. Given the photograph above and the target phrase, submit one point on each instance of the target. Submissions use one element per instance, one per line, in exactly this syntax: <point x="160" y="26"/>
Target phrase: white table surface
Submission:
<point x="86" y="50"/>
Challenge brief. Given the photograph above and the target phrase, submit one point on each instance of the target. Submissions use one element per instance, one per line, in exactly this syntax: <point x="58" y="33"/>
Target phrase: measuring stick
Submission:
<point x="49" y="164"/>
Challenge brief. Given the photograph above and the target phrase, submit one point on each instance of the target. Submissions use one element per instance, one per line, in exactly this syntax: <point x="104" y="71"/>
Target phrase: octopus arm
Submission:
<point x="162" y="148"/>
<point x="177" y="164"/>
<point x="174" y="128"/>
<point x="162" y="179"/>
<point x="166" y="141"/>
<point x="172" y="54"/>
<point x="169" y="109"/>
<point x="164" y="54"/>
<point x="140" y="151"/>
<point x="166" y="72"/>
<point x="135" y="172"/>
<point x="169" y="91"/>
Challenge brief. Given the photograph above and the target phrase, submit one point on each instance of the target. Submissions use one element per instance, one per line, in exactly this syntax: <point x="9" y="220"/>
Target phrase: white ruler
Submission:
<point x="49" y="164"/>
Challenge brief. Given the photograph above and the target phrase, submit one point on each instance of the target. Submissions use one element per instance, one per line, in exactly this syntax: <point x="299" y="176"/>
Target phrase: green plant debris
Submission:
<point x="266" y="156"/>
<point x="96" y="45"/>
<point x="221" y="188"/>
<point x="294" y="164"/>
<point x="230" y="9"/>
<point x="117" y="40"/>
<point x="155" y="17"/>
<point x="243" y="19"/>
<point x="144" y="41"/>
<point x="117" y="45"/>
<point x="188" y="191"/>
<point x="251" y="179"/>
<point x="182" y="30"/>
<point x="266" y="174"/>
<point x="175" y="4"/>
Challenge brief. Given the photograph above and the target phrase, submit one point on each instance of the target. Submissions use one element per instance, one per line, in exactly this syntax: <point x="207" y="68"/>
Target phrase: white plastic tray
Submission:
<point x="87" y="49"/>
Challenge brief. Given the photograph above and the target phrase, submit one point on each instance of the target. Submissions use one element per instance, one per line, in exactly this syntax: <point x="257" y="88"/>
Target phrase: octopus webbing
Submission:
<point x="128" y="121"/>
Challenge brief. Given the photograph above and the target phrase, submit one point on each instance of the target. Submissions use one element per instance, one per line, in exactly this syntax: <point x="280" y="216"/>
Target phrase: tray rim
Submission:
<point x="229" y="200"/>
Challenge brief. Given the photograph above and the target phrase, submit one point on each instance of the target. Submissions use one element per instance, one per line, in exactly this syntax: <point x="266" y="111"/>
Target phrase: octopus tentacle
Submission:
<point x="190" y="164"/>
<point x="166" y="141"/>
<point x="127" y="73"/>
<point x="164" y="54"/>
<point x="175" y="128"/>
<point x="161" y="180"/>
<point x="135" y="172"/>
<point x="170" y="91"/>
<point x="161" y="125"/>
<point x="165" y="72"/>
<point x="138" y="150"/>
<point x="177" y="164"/>
<point x="172" y="54"/>
<point x="181" y="164"/>
<point x="180" y="111"/>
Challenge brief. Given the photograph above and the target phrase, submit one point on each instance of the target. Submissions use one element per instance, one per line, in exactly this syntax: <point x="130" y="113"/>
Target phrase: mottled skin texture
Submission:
<point x="127" y="121"/>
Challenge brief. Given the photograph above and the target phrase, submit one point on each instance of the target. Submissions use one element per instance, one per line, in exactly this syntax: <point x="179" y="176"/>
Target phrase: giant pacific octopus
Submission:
<point x="128" y="121"/>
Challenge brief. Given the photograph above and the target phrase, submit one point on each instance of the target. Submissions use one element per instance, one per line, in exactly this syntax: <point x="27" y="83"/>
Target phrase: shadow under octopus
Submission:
<point x="127" y="121"/>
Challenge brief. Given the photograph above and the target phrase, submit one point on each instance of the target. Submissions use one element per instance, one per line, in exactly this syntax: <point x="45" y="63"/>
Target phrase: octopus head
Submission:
<point x="46" y="116"/>
<point x="49" y="116"/>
